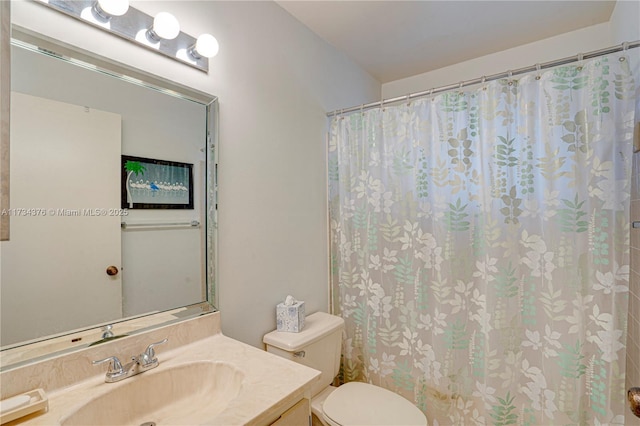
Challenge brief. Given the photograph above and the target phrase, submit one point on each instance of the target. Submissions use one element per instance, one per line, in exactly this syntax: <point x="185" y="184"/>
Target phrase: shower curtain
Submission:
<point x="480" y="246"/>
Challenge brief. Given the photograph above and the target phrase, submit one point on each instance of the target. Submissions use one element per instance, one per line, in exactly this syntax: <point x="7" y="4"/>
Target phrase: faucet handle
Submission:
<point x="149" y="355"/>
<point x="115" y="366"/>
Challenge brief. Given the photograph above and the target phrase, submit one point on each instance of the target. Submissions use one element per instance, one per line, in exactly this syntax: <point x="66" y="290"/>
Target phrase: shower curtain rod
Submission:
<point x="509" y="73"/>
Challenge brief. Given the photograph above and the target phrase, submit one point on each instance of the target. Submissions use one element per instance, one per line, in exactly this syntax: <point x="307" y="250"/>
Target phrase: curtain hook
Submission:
<point x="580" y="58"/>
<point x="408" y="99"/>
<point x="431" y="93"/>
<point x="362" y="109"/>
<point x="509" y="75"/>
<point x="483" y="81"/>
<point x="625" y="46"/>
<point x="538" y="71"/>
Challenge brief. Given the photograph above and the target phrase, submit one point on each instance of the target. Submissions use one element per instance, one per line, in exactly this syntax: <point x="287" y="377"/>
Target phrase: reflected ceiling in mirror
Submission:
<point x="71" y="266"/>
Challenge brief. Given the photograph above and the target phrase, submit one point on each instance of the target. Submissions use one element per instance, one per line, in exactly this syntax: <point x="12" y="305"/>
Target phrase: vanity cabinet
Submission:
<point x="298" y="415"/>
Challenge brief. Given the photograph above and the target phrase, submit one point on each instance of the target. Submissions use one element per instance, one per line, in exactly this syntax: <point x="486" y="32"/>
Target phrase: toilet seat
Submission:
<point x="357" y="403"/>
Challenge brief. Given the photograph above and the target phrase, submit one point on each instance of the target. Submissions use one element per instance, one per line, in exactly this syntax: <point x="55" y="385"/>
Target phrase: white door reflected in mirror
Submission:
<point x="62" y="169"/>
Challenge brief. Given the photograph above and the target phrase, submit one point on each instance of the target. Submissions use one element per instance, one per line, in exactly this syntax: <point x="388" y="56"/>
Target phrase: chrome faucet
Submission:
<point x="138" y="364"/>
<point x="106" y="331"/>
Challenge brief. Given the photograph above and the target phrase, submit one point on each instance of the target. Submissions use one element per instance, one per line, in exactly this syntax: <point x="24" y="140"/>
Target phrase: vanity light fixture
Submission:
<point x="105" y="9"/>
<point x="165" y="26"/>
<point x="161" y="33"/>
<point x="206" y="46"/>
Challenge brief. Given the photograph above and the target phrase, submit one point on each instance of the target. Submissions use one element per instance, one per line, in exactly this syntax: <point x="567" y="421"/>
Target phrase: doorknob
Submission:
<point x="112" y="271"/>
<point x="634" y="400"/>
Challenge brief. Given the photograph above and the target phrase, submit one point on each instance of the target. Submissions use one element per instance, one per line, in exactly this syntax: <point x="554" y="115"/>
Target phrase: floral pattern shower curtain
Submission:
<point x="480" y="247"/>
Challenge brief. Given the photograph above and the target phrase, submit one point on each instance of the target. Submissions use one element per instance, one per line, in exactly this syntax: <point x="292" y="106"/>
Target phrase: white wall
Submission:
<point x="625" y="21"/>
<point x="275" y="80"/>
<point x="568" y="44"/>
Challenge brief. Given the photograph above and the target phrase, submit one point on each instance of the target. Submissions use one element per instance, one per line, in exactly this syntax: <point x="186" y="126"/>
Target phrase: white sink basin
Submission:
<point x="183" y="394"/>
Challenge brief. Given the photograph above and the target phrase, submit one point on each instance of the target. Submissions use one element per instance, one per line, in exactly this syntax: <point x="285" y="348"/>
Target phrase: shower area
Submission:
<point x="481" y="241"/>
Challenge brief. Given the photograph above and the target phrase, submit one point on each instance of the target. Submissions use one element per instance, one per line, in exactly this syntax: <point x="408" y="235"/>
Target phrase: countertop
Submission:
<point x="271" y="384"/>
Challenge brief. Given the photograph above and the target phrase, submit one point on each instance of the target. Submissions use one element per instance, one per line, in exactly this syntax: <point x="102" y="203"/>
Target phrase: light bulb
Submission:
<point x="206" y="46"/>
<point x="166" y="26"/>
<point x="114" y="7"/>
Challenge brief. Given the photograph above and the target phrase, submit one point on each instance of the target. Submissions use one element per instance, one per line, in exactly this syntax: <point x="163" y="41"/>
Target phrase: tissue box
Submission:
<point x="290" y="317"/>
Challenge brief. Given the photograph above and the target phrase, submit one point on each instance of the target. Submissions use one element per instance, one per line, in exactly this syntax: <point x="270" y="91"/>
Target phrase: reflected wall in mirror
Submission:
<point x="76" y="258"/>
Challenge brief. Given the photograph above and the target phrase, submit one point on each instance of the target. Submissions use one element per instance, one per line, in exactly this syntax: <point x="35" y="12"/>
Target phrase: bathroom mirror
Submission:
<point x="91" y="142"/>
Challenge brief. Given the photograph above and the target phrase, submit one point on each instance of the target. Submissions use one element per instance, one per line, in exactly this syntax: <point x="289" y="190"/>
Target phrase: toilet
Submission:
<point x="318" y="346"/>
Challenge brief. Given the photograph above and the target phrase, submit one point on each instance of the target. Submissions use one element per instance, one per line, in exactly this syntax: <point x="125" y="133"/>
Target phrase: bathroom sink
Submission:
<point x="182" y="394"/>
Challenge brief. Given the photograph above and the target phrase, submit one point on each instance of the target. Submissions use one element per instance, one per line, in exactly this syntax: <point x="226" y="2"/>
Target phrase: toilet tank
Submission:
<point x="318" y="346"/>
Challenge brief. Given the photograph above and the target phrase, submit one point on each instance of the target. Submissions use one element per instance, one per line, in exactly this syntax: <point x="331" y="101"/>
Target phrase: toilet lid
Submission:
<point x="356" y="403"/>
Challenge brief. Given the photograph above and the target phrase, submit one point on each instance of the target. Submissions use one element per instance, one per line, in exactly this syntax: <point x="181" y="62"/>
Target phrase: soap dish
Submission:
<point x="37" y="401"/>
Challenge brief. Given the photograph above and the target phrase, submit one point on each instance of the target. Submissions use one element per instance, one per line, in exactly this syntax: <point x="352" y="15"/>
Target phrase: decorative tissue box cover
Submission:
<point x="290" y="317"/>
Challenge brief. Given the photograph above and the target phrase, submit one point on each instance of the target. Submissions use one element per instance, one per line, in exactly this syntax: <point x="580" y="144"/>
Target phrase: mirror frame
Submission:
<point x="19" y="354"/>
<point x="5" y="82"/>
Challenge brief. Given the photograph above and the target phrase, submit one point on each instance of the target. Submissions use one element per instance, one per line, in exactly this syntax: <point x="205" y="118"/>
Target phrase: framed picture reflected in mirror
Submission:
<point x="156" y="184"/>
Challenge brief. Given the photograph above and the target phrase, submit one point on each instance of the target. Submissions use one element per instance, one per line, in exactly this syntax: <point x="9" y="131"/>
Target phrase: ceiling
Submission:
<point x="397" y="39"/>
